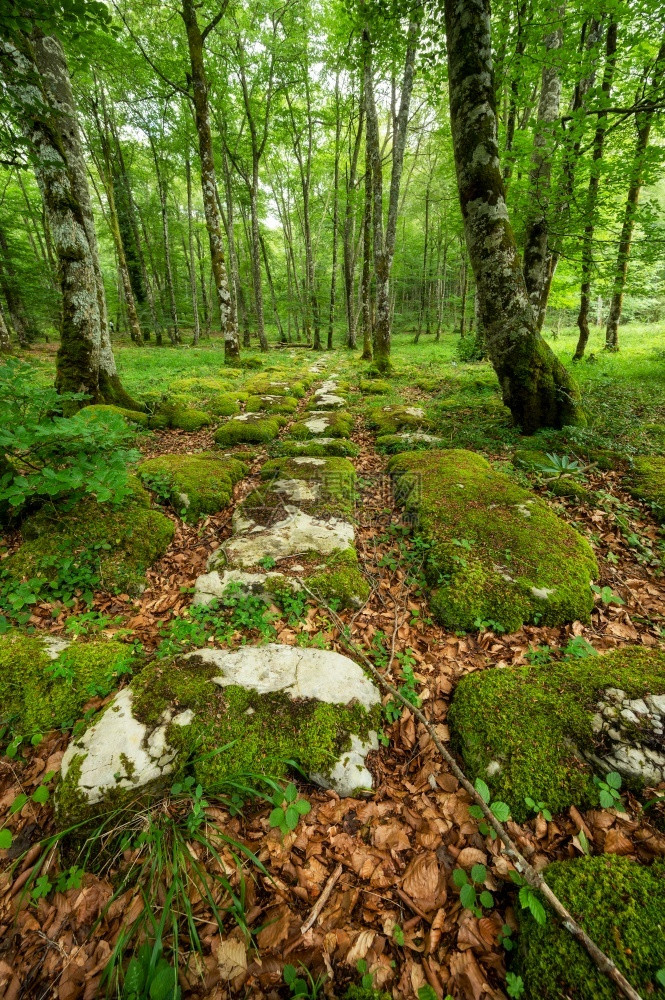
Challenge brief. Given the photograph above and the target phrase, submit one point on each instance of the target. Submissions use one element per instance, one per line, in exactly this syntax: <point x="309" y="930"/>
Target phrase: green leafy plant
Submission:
<point x="268" y="563"/>
<point x="561" y="467"/>
<point x="302" y="986"/>
<point x="505" y="937"/>
<point x="500" y="809"/>
<point x="607" y="595"/>
<point x="578" y="648"/>
<point x="538" y="655"/>
<point x="514" y="985"/>
<point x="393" y="709"/>
<point x="288" y="808"/>
<point x="538" y="807"/>
<point x="471" y="895"/>
<point x="150" y="976"/>
<point x="528" y="898"/>
<point x="609" y="795"/>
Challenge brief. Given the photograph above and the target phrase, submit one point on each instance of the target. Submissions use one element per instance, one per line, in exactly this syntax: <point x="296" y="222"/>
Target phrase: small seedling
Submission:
<point x="528" y="899"/>
<point x="607" y="595"/>
<point x="514" y="985"/>
<point x="500" y="809"/>
<point x="561" y="467"/>
<point x="288" y="808"/>
<point x="538" y="807"/>
<point x="505" y="937"/>
<point x="470" y="893"/>
<point x="578" y="648"/>
<point x="609" y="795"/>
<point x="269" y="563"/>
<point x="538" y="655"/>
<point x="302" y="987"/>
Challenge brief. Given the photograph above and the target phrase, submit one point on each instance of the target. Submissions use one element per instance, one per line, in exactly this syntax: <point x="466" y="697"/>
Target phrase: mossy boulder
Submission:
<point x="45" y="681"/>
<point x="272" y="404"/>
<point x="201" y="385"/>
<point x="224" y="405"/>
<point x="196" y="485"/>
<point x="374" y="386"/>
<point x="323" y="423"/>
<point x="222" y="715"/>
<point x="647" y="482"/>
<point x="99" y="410"/>
<point x="496" y="553"/>
<point x="321" y="487"/>
<point x="536" y="730"/>
<point x="316" y="447"/>
<point x="397" y="417"/>
<point x="621" y="906"/>
<point x="179" y="417"/>
<point x="116" y="544"/>
<point x="262" y="385"/>
<point x="340" y="581"/>
<point x="571" y="489"/>
<point x="248" y="428"/>
<point x="393" y="444"/>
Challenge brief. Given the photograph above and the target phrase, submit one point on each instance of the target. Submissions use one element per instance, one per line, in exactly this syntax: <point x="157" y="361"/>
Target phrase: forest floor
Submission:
<point x="387" y="859"/>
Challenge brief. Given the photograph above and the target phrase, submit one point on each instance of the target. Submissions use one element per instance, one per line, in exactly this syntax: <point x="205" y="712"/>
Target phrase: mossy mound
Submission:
<point x="338" y="471"/>
<point x="201" y="385"/>
<point x="374" y="386"/>
<point x="262" y="385"/>
<point x="328" y="423"/>
<point x="224" y="405"/>
<point x="44" y="685"/>
<point x="272" y="404"/>
<point x="394" y="418"/>
<point x="570" y="488"/>
<point x="317" y="449"/>
<point x="528" y="730"/>
<point x="99" y="410"/>
<point x="341" y="582"/>
<point x="196" y="485"/>
<point x="180" y="417"/>
<point x="321" y="487"/>
<point x="252" y="429"/>
<point x="393" y="444"/>
<point x="118" y="544"/>
<point x="496" y="553"/>
<point x="647" y="482"/>
<point x="621" y="906"/>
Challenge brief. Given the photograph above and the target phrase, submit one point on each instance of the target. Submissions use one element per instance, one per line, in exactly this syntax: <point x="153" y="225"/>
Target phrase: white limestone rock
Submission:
<point x="211" y="586"/>
<point x="295" y="534"/>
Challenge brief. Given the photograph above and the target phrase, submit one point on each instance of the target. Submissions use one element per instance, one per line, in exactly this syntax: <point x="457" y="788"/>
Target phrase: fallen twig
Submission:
<point x="532" y="877"/>
<point x="322" y="900"/>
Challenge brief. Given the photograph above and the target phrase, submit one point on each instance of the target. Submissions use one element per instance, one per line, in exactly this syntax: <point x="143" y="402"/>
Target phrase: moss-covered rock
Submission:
<point x="621" y="906"/>
<point x="321" y="487"/>
<point x="222" y="715"/>
<point x="320" y="423"/>
<point x="248" y="428"/>
<point x="201" y="385"/>
<point x="374" y="386"/>
<point x="224" y="405"/>
<point x="262" y="385"/>
<point x="196" y="485"/>
<point x="571" y="488"/>
<point x="647" y="482"/>
<point x="99" y="410"/>
<point x="393" y="444"/>
<point x="341" y="581"/>
<point x="45" y="681"/>
<point x="272" y="404"/>
<point x="316" y="447"/>
<point x="496" y="553"/>
<point x="530" y="730"/>
<point x="180" y="417"/>
<point x="397" y="417"/>
<point x="118" y="543"/>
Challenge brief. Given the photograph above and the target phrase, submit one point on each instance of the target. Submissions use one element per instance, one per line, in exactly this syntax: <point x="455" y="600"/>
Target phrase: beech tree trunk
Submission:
<point x="38" y="72"/>
<point x="195" y="42"/>
<point x="5" y="340"/>
<point x="536" y="387"/>
<point x="25" y="330"/>
<point x="349" y="225"/>
<point x="592" y="193"/>
<point x="366" y="280"/>
<point x="536" y="244"/>
<point x="190" y="254"/>
<point x="333" y="276"/>
<point x="643" y="122"/>
<point x="174" y="331"/>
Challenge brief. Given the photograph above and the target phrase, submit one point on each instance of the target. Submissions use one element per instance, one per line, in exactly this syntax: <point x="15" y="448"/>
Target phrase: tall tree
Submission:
<point x="535" y="386"/>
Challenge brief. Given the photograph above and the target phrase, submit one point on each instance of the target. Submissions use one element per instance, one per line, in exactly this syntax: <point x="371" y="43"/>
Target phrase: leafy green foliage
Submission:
<point x="500" y="810"/>
<point x="472" y="896"/>
<point x="609" y="795"/>
<point x="302" y="986"/>
<point x="289" y="807"/>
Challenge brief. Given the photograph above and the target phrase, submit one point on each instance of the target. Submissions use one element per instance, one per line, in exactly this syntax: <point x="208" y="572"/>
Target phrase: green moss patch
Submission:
<point x="39" y="692"/>
<point x="196" y="485"/>
<point x="224" y="405"/>
<point x="647" y="481"/>
<point x="262" y="385"/>
<point x="341" y="581"/>
<point x="272" y="404"/>
<point x="318" y="487"/>
<point x="180" y="417"/>
<point x="316" y="448"/>
<point x="394" y="444"/>
<point x="328" y="423"/>
<point x="118" y="543"/>
<point x="527" y="730"/>
<point x="621" y="906"/>
<point x="496" y="554"/>
<point x="391" y="419"/>
<point x="252" y="429"/>
<point x="98" y="411"/>
<point x="372" y="386"/>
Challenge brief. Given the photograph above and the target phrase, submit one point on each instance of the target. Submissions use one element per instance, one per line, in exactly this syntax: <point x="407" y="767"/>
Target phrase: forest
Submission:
<point x="332" y="500"/>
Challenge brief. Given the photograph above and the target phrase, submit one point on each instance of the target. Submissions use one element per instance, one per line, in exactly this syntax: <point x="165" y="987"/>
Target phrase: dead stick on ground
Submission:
<point x="533" y="878"/>
<point x="322" y="900"/>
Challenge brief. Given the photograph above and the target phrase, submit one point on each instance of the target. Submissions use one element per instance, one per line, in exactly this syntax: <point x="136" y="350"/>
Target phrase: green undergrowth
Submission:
<point x="44" y="687"/>
<point x="179" y="417"/>
<point x="195" y="485"/>
<point x="100" y="411"/>
<point x="621" y="906"/>
<point x="526" y="731"/>
<point x="494" y="554"/>
<point x="110" y="547"/>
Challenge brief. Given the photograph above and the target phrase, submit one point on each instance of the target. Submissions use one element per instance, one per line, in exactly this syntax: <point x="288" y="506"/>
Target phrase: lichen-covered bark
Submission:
<point x="592" y="193"/>
<point x="349" y="225"/>
<point x="535" y="386"/>
<point x="5" y="342"/>
<point x="366" y="282"/>
<point x="536" y="260"/>
<point x="643" y="122"/>
<point x="208" y="178"/>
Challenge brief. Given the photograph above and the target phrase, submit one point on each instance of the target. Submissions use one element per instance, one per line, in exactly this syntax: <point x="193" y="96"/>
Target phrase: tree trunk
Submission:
<point x="85" y="361"/>
<point x="465" y="286"/>
<point x="535" y="386"/>
<point x="643" y="122"/>
<point x="174" y="332"/>
<point x="204" y="288"/>
<point x="273" y="297"/>
<point x="349" y="223"/>
<point x="520" y="43"/>
<point x="536" y="249"/>
<point x="256" y="258"/>
<point x="5" y="340"/>
<point x="25" y="330"/>
<point x="333" y="276"/>
<point x="366" y="280"/>
<point x="195" y="42"/>
<point x="592" y="193"/>
<point x="423" y="280"/>
<point x="190" y="254"/>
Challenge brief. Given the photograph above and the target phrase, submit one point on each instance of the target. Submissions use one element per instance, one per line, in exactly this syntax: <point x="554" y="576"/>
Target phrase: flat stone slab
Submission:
<point x="211" y="586"/>
<point x="296" y="534"/>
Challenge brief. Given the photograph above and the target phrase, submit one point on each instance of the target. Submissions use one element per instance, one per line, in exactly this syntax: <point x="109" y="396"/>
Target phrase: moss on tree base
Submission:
<point x="495" y="553"/>
<point x="621" y="906"/>
<point x="528" y="730"/>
